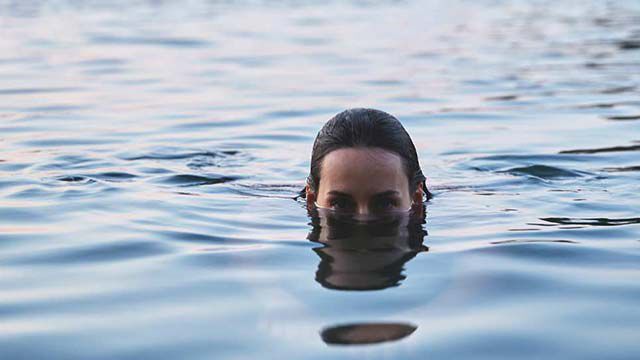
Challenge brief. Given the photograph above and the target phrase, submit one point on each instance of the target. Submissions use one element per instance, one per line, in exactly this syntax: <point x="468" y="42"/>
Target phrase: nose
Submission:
<point x="362" y="213"/>
<point x="362" y="210"/>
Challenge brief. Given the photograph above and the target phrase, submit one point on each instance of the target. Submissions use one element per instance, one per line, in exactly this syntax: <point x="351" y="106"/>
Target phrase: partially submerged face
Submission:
<point x="364" y="182"/>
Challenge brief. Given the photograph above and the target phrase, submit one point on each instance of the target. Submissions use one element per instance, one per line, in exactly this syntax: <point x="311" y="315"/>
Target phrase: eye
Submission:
<point x="386" y="204"/>
<point x="341" y="204"/>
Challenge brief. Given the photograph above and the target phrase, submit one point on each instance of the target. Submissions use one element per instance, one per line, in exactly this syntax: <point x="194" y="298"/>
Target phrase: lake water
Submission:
<point x="150" y="151"/>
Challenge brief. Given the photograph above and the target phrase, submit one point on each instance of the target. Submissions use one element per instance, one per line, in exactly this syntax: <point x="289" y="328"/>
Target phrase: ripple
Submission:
<point x="298" y="113"/>
<point x="311" y="41"/>
<point x="100" y="62"/>
<point x="248" y="61"/>
<point x="608" y="105"/>
<point x="283" y="191"/>
<point x="217" y="242"/>
<point x="104" y="176"/>
<point x="56" y="108"/>
<point x="114" y="176"/>
<point x="632" y="44"/>
<point x="413" y="99"/>
<point x="102" y="66"/>
<point x="624" y="117"/>
<point x="528" y="158"/>
<point x="177" y="154"/>
<point x="502" y="98"/>
<point x="196" y="180"/>
<point x="113" y="251"/>
<point x="6" y="166"/>
<point x="385" y="82"/>
<point x="202" y="125"/>
<point x="618" y="90"/>
<point x="602" y="65"/>
<point x="25" y="91"/>
<point x="153" y="41"/>
<point x="561" y="253"/>
<point x="543" y="172"/>
<point x="526" y="241"/>
<point x="622" y="169"/>
<point x="71" y="142"/>
<point x="76" y="179"/>
<point x="591" y="221"/>
<point x="602" y="150"/>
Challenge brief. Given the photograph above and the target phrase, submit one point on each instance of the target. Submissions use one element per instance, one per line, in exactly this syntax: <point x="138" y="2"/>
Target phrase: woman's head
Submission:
<point x="364" y="161"/>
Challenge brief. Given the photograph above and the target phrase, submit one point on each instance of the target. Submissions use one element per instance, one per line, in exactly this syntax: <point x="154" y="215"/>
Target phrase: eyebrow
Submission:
<point x="380" y="194"/>
<point x="386" y="193"/>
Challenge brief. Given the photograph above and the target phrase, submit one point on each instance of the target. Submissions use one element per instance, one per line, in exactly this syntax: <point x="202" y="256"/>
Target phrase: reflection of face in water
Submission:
<point x="371" y="333"/>
<point x="364" y="254"/>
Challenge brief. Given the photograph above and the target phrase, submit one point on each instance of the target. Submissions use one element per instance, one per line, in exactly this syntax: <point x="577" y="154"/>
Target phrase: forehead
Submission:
<point x="362" y="169"/>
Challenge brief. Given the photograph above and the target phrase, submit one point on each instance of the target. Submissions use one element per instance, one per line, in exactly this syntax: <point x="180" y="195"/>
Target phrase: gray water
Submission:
<point x="150" y="151"/>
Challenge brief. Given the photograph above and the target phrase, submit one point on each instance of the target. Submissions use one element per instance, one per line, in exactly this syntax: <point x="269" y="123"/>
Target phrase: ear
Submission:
<point x="418" y="195"/>
<point x="417" y="199"/>
<point x="310" y="195"/>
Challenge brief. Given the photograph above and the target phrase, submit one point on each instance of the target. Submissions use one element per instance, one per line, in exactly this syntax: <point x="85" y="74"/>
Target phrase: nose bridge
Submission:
<point x="362" y="204"/>
<point x="362" y="208"/>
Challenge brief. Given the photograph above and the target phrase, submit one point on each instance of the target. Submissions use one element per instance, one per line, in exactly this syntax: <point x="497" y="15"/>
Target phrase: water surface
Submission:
<point x="149" y="154"/>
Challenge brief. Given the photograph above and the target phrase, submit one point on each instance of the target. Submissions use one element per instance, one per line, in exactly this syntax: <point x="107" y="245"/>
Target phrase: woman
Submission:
<point x="364" y="164"/>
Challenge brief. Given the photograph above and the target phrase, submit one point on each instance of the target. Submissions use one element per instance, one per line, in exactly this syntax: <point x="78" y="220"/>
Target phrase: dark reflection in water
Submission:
<point x="365" y="255"/>
<point x="622" y="169"/>
<point x="592" y="221"/>
<point x="624" y="117"/>
<point x="362" y="334"/>
<point x="542" y="172"/>
<point x="602" y="150"/>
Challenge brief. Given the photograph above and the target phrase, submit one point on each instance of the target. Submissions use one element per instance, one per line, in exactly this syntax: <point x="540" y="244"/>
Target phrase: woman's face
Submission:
<point x="364" y="181"/>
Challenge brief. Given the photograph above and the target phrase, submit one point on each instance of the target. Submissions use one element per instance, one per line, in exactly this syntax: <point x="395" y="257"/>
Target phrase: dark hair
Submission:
<point x="366" y="128"/>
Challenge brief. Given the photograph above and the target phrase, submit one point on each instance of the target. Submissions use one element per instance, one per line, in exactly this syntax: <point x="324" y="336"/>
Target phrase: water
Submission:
<point x="149" y="153"/>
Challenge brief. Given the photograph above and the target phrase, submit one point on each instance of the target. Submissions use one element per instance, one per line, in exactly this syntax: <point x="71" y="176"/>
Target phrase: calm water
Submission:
<point x="149" y="153"/>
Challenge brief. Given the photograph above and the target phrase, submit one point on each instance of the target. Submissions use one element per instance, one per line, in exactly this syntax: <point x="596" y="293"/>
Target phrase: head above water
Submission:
<point x="364" y="162"/>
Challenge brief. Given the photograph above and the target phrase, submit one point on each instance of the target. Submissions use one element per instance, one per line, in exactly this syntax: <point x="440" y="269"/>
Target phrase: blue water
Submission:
<point x="149" y="153"/>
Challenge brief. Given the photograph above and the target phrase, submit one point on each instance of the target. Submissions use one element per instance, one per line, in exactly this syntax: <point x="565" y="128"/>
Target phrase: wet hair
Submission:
<point x="366" y="128"/>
